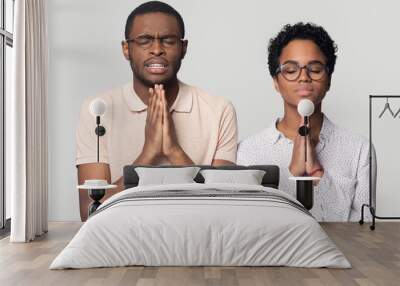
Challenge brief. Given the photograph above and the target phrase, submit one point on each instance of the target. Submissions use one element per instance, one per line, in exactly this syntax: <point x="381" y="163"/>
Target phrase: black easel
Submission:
<point x="372" y="208"/>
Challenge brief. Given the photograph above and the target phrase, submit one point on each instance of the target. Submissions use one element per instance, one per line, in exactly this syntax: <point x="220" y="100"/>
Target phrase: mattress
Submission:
<point x="201" y="225"/>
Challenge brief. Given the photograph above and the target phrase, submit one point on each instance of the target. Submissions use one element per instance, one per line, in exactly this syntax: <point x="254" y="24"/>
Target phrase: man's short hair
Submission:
<point x="153" y="7"/>
<point x="301" y="31"/>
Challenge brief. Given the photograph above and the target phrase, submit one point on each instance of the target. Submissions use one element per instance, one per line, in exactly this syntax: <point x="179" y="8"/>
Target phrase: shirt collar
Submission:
<point x="184" y="100"/>
<point x="132" y="99"/>
<point x="182" y="103"/>
<point x="326" y="130"/>
<point x="275" y="134"/>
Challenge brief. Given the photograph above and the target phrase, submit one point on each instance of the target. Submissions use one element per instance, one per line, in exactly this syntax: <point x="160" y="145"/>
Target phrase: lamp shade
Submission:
<point x="305" y="107"/>
<point x="97" y="107"/>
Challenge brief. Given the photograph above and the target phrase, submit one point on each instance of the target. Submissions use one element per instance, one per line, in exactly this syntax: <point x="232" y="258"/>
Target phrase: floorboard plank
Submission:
<point x="374" y="255"/>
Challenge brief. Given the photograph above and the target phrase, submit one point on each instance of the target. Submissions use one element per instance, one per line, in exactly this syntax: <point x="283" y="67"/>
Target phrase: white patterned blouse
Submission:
<point x="344" y="156"/>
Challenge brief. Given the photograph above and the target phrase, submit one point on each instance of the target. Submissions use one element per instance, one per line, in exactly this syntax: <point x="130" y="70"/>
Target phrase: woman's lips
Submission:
<point x="304" y="92"/>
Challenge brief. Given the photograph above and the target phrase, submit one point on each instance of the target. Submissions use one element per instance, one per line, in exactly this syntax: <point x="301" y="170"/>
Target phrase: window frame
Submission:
<point x="6" y="39"/>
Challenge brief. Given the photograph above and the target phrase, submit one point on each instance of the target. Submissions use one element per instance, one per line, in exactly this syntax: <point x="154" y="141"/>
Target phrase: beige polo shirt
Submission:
<point x="206" y="128"/>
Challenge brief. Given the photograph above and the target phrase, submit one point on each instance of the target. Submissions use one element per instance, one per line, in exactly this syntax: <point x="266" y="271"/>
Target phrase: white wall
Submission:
<point x="227" y="56"/>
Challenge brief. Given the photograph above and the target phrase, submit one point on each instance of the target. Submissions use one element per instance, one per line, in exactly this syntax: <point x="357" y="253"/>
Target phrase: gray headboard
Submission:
<point x="270" y="179"/>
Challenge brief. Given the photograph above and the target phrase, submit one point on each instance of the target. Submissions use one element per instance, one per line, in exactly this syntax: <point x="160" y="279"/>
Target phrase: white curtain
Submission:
<point x="26" y="123"/>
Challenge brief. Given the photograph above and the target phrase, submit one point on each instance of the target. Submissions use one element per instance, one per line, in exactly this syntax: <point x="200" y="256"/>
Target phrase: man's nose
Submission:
<point x="157" y="48"/>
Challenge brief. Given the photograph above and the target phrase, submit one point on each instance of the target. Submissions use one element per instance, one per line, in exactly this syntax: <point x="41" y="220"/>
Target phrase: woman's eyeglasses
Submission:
<point x="291" y="70"/>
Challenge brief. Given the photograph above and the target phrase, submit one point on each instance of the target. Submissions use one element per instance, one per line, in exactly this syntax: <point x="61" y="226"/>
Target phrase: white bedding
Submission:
<point x="219" y="226"/>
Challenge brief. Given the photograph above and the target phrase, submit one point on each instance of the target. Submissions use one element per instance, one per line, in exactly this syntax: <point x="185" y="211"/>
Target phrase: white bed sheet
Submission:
<point x="202" y="231"/>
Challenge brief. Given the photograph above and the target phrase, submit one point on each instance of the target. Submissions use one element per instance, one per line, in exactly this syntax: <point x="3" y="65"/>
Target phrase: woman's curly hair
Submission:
<point x="308" y="31"/>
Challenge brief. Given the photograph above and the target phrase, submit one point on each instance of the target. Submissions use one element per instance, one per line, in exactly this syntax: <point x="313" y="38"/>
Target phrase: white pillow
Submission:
<point x="163" y="176"/>
<point x="248" y="177"/>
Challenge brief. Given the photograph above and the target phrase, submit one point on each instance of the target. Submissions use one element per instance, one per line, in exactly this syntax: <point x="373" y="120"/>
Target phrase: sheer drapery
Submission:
<point x="26" y="123"/>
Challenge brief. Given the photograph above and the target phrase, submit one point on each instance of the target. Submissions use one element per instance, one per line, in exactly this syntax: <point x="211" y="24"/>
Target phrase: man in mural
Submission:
<point x="156" y="119"/>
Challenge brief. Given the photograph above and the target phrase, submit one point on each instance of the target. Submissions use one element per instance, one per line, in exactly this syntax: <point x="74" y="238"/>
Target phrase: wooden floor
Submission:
<point x="374" y="255"/>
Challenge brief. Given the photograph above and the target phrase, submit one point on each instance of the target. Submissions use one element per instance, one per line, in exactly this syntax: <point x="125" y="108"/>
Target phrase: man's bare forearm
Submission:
<point x="143" y="159"/>
<point x="179" y="157"/>
<point x="119" y="188"/>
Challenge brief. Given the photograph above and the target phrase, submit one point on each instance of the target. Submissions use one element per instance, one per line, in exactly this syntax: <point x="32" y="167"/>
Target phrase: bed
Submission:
<point x="201" y="224"/>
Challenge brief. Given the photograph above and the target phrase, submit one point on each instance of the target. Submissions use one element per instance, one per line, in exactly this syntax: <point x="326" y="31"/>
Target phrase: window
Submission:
<point x="6" y="45"/>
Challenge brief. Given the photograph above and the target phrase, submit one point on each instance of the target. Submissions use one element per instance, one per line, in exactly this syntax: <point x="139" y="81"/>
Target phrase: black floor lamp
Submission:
<point x="97" y="188"/>
<point x="305" y="183"/>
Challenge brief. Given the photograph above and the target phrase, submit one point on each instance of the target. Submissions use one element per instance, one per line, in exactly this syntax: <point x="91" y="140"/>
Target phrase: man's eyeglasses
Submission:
<point x="291" y="70"/>
<point x="147" y="41"/>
